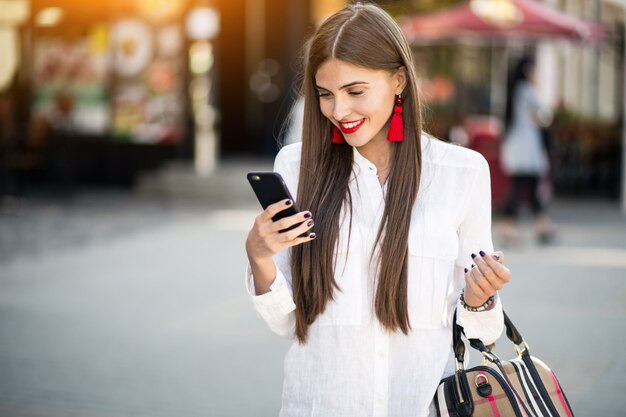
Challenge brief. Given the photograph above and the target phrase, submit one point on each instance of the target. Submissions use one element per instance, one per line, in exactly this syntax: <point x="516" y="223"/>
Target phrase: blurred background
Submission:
<point x="126" y="130"/>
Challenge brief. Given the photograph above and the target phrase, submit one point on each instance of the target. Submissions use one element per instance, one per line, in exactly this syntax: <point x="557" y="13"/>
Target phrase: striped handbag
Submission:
<point x="521" y="387"/>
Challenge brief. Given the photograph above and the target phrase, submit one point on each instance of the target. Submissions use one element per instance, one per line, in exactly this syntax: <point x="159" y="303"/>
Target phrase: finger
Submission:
<point x="498" y="256"/>
<point x="502" y="272"/>
<point x="288" y="222"/>
<point x="480" y="263"/>
<point x="300" y="240"/>
<point x="470" y="284"/>
<point x="276" y="208"/>
<point x="296" y="232"/>
<point x="482" y="282"/>
<point x="489" y="267"/>
<point x="490" y="282"/>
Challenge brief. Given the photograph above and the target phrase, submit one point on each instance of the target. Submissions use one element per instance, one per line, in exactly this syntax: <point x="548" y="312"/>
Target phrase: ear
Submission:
<point x="400" y="77"/>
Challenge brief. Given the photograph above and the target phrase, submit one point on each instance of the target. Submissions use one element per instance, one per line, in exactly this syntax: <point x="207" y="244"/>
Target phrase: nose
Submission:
<point x="340" y="109"/>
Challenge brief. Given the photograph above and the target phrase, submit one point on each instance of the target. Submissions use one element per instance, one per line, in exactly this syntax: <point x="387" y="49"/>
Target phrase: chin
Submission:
<point x="356" y="143"/>
<point x="357" y="140"/>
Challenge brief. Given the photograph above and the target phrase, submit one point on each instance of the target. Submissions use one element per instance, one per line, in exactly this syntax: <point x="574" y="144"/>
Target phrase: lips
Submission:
<point x="351" y="127"/>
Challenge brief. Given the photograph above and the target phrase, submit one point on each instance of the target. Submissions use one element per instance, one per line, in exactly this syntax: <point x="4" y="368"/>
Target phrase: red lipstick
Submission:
<point x="352" y="129"/>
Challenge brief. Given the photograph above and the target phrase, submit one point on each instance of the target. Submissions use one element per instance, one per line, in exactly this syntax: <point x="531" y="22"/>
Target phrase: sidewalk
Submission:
<point x="227" y="186"/>
<point x="131" y="304"/>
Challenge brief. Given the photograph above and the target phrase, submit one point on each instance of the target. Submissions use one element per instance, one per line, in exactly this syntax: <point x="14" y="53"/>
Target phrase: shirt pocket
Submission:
<point x="433" y="249"/>
<point x="346" y="307"/>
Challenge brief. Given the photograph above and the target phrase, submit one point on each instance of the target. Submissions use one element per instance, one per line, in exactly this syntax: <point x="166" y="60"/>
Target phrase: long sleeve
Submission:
<point x="277" y="307"/>
<point x="474" y="236"/>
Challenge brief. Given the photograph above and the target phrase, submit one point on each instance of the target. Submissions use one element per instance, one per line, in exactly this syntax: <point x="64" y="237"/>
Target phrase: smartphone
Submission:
<point x="270" y="188"/>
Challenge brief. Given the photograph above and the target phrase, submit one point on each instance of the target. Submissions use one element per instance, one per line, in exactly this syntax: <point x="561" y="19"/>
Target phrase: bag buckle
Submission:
<point x="489" y="356"/>
<point x="521" y="348"/>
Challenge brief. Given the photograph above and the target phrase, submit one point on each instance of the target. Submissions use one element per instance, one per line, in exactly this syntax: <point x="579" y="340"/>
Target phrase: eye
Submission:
<point x="356" y="93"/>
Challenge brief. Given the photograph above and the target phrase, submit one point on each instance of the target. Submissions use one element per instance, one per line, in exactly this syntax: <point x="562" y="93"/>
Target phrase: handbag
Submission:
<point x="521" y="387"/>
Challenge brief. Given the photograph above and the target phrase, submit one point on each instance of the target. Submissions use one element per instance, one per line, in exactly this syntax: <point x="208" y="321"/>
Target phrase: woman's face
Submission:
<point x="357" y="100"/>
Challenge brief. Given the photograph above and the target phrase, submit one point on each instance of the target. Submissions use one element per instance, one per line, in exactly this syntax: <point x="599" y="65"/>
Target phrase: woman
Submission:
<point x="524" y="154"/>
<point x="399" y="226"/>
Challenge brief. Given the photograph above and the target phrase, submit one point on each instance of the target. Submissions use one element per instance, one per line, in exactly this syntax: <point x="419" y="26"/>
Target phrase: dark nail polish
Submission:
<point x="482" y="253"/>
<point x="466" y="270"/>
<point x="307" y="215"/>
<point x="310" y="223"/>
<point x="473" y="265"/>
<point x="312" y="235"/>
<point x="496" y="257"/>
<point x="473" y="255"/>
<point x="288" y="202"/>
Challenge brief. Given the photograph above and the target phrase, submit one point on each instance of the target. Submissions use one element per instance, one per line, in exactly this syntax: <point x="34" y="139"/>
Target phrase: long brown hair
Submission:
<point x="366" y="36"/>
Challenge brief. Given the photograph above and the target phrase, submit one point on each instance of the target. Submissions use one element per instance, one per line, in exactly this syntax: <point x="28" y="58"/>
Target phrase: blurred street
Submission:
<point x="132" y="304"/>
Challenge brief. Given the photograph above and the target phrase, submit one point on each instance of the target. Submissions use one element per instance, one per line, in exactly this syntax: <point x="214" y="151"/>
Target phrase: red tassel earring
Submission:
<point x="337" y="137"/>
<point x="396" y="127"/>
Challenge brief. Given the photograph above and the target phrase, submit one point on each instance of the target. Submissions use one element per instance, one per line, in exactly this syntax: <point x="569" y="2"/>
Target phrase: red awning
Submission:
<point x="497" y="19"/>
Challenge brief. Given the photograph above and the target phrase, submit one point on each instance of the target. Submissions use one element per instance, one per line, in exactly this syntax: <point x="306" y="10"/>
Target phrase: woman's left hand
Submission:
<point x="486" y="276"/>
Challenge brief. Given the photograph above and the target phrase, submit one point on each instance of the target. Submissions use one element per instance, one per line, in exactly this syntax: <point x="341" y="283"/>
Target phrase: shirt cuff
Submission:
<point x="279" y="281"/>
<point x="274" y="303"/>
<point x="484" y="325"/>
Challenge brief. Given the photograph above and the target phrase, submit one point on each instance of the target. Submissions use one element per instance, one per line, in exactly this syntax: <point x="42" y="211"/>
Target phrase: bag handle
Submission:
<point x="459" y="347"/>
<point x="465" y="408"/>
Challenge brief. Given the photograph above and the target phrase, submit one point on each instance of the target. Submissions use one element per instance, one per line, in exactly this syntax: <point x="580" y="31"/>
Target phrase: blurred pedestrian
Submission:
<point x="524" y="154"/>
<point x="369" y="294"/>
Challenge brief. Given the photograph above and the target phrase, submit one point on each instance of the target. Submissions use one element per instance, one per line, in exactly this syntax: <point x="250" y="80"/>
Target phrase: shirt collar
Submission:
<point x="366" y="165"/>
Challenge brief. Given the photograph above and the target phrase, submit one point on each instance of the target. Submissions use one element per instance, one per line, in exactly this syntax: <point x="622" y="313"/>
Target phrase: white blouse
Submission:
<point x="522" y="151"/>
<point x="350" y="366"/>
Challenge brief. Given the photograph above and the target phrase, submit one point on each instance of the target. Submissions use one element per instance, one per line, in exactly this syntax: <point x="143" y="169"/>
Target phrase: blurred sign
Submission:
<point x="126" y="79"/>
<point x="131" y="42"/>
<point x="148" y="82"/>
<point x="70" y="82"/>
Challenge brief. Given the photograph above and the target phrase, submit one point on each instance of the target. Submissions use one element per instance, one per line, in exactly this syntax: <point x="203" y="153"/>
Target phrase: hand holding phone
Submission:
<point x="270" y="188"/>
<point x="266" y="238"/>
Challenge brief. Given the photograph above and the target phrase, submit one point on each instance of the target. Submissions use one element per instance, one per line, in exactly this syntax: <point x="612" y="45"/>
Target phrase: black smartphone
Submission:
<point x="270" y="188"/>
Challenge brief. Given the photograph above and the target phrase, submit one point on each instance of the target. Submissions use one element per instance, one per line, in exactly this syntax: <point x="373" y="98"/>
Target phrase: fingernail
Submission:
<point x="466" y="270"/>
<point x="307" y="215"/>
<point x="473" y="265"/>
<point x="473" y="255"/>
<point x="310" y="223"/>
<point x="482" y="253"/>
<point x="288" y="202"/>
<point x="312" y="235"/>
<point x="496" y="257"/>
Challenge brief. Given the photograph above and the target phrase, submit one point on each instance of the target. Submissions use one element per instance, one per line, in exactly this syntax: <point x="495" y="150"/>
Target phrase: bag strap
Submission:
<point x="457" y="341"/>
<point x="459" y="347"/>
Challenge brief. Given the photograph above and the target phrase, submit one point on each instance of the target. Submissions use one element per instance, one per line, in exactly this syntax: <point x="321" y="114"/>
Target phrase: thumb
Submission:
<point x="498" y="256"/>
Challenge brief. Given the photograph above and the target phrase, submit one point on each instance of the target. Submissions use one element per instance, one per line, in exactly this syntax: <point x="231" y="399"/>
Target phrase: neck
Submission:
<point x="377" y="152"/>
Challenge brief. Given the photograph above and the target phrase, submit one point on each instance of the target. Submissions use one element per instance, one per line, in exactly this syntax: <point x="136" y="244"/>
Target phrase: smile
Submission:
<point x="351" y="127"/>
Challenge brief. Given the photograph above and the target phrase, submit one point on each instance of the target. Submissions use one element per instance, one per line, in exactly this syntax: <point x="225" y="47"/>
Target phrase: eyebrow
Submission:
<point x="344" y="86"/>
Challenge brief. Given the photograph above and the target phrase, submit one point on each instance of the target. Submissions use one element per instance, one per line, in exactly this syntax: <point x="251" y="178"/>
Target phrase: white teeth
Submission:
<point x="351" y="125"/>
